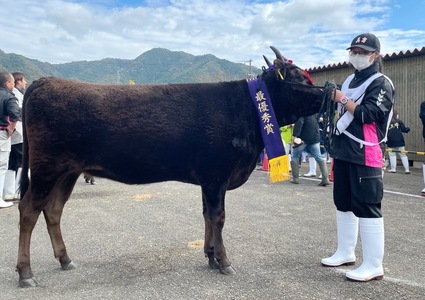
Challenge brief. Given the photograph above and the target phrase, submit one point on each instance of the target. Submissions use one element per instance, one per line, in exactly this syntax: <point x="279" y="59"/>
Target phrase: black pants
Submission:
<point x="15" y="157"/>
<point x="358" y="188"/>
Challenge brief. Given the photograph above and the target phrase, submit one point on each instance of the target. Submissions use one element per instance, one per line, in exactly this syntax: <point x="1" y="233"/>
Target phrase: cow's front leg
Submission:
<point x="214" y="215"/>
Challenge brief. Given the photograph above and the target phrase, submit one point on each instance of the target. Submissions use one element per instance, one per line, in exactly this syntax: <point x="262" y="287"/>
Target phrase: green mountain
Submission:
<point x="154" y="66"/>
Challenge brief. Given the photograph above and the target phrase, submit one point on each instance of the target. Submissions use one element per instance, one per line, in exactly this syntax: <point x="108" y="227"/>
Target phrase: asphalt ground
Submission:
<point x="145" y="242"/>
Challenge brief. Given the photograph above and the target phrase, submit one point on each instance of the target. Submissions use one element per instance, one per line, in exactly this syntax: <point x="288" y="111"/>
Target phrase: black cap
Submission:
<point x="366" y="41"/>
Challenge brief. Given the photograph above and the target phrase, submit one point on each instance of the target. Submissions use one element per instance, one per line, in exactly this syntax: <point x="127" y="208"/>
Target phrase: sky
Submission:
<point x="310" y="32"/>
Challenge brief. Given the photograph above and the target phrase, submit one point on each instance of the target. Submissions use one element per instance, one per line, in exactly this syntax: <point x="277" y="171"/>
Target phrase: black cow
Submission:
<point x="205" y="134"/>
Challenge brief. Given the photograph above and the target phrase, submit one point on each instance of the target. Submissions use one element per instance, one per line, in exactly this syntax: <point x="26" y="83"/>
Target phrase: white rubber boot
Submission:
<point x="3" y="204"/>
<point x="18" y="184"/>
<point x="393" y="163"/>
<point x="347" y="225"/>
<point x="312" y="165"/>
<point x="372" y="239"/>
<point x="423" y="174"/>
<point x="405" y="162"/>
<point x="9" y="185"/>
<point x="289" y="162"/>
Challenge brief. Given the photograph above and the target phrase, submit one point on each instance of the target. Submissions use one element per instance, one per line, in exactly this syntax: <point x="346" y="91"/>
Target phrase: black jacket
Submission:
<point x="373" y="112"/>
<point x="395" y="133"/>
<point x="10" y="108"/>
<point x="307" y="129"/>
<point x="422" y="116"/>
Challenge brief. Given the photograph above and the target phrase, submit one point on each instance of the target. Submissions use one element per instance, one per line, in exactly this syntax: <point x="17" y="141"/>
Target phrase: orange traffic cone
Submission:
<point x="331" y="173"/>
<point x="265" y="166"/>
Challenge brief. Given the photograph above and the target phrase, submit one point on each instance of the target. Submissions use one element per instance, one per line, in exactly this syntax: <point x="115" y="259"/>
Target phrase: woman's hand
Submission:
<point x="337" y="95"/>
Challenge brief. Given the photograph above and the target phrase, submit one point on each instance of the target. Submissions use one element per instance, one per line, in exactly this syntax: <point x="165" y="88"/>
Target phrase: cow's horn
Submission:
<point x="267" y="61"/>
<point x="278" y="54"/>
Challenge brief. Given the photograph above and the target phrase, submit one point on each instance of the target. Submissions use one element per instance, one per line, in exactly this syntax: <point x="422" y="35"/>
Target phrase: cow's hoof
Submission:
<point x="70" y="266"/>
<point x="30" y="282"/>
<point x="228" y="270"/>
<point x="214" y="264"/>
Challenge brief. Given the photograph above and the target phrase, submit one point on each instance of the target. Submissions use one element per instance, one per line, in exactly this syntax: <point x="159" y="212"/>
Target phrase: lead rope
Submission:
<point x="327" y="112"/>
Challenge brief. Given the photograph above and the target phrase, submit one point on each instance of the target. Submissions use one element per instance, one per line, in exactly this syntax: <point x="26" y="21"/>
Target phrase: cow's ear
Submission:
<point x="280" y="69"/>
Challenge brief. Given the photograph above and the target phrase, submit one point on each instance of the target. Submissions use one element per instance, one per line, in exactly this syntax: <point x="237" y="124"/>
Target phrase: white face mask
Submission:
<point x="360" y="61"/>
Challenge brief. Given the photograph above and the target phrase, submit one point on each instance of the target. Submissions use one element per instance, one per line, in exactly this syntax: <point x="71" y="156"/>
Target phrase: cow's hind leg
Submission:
<point x="28" y="218"/>
<point x="52" y="214"/>
<point x="214" y="216"/>
<point x="49" y="197"/>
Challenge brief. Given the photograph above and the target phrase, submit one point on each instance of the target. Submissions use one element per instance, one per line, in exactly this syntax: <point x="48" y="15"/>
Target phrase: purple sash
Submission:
<point x="278" y="161"/>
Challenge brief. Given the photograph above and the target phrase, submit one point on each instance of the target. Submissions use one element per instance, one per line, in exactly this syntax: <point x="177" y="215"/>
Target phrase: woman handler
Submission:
<point x="365" y="104"/>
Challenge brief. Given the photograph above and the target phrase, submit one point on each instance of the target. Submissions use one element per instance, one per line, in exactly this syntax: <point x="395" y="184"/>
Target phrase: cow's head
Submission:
<point x="291" y="89"/>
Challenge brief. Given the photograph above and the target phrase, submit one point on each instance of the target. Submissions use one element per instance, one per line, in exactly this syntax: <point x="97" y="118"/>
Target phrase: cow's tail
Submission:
<point x="24" y="182"/>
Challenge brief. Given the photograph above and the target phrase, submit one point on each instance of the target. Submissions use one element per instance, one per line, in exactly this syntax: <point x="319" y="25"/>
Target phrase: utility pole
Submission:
<point x="118" y="76"/>
<point x="249" y="75"/>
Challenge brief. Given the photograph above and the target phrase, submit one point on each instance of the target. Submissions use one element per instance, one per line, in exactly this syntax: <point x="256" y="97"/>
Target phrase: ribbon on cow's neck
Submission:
<point x="278" y="160"/>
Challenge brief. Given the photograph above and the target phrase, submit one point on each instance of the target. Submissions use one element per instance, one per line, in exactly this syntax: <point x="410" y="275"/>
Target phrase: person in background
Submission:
<point x="311" y="161"/>
<point x="286" y="135"/>
<point x="422" y="117"/>
<point x="303" y="157"/>
<point x="365" y="107"/>
<point x="396" y="142"/>
<point x="9" y="116"/>
<point x="13" y="174"/>
<point x="89" y="179"/>
<point x="312" y="166"/>
<point x="306" y="137"/>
